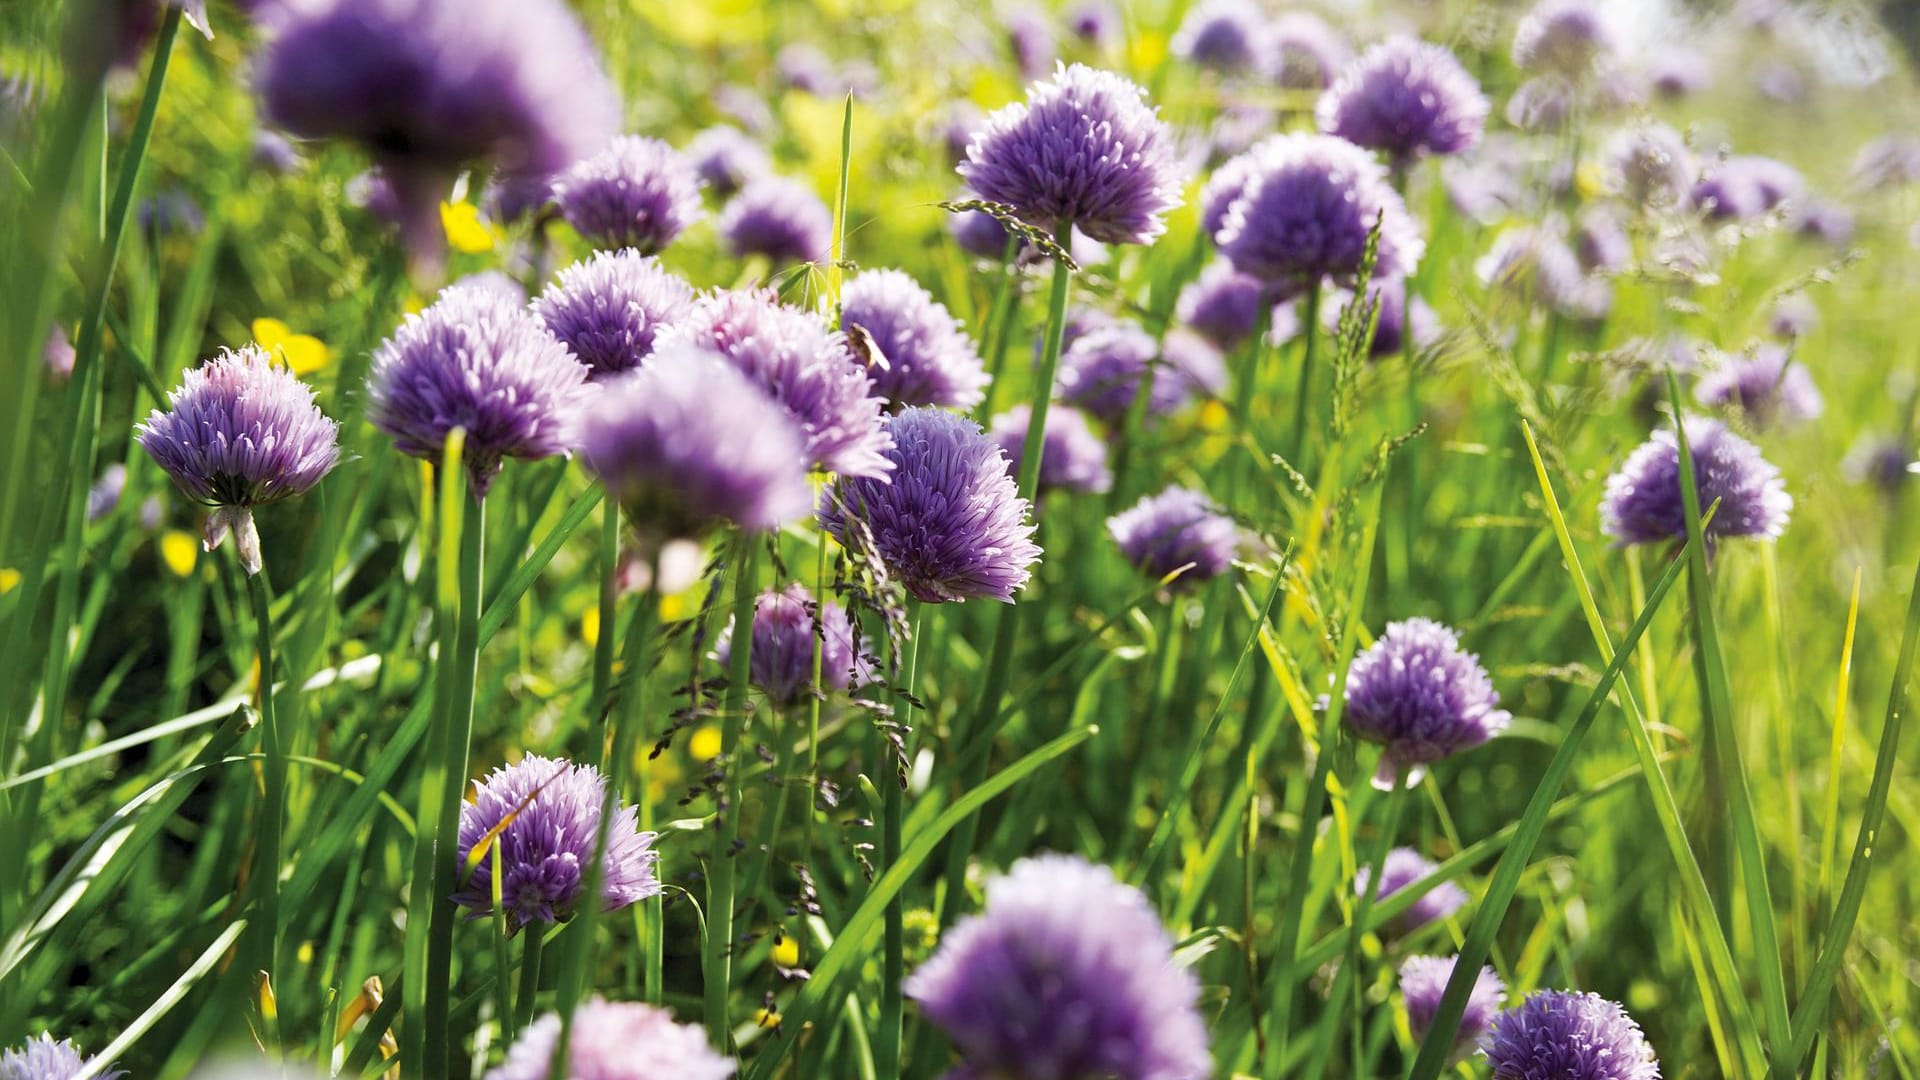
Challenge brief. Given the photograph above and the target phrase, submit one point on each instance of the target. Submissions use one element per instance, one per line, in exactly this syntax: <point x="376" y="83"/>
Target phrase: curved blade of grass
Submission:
<point x="1693" y="883"/>
<point x="851" y="944"/>
<point x="1492" y="908"/>
<point x="1719" y="701"/>
<point x="1813" y="998"/>
<point x="1830" y="830"/>
<point x="164" y="1004"/>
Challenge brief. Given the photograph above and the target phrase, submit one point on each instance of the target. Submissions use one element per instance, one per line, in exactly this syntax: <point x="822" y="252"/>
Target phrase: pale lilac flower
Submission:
<point x="610" y="308"/>
<point x="1423" y="981"/>
<point x="1561" y="1033"/>
<point x="1406" y="98"/>
<point x="1074" y="458"/>
<point x="1422" y="697"/>
<point x="615" y="1040"/>
<point x="779" y="218"/>
<point x="920" y="354"/>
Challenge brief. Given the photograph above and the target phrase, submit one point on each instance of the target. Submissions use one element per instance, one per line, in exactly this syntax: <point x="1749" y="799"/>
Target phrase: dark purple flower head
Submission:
<point x="241" y="432"/>
<point x="428" y="86"/>
<point x="924" y="356"/>
<point x="1096" y="22"/>
<point x="1406" y="98"/>
<point x="1304" y="51"/>
<point x="476" y="360"/>
<point x="1390" y="327"/>
<point x="1423" y="981"/>
<point x="104" y="496"/>
<point x="1066" y="974"/>
<point x="615" y="1040"/>
<point x="635" y="193"/>
<point x="544" y="853"/>
<point x="951" y="525"/>
<point x="783" y="643"/>
<point x="1179" y="526"/>
<point x="1403" y="867"/>
<point x="1743" y="188"/>
<point x="1565" y="37"/>
<point x="1643" y="502"/>
<point x="1306" y="210"/>
<point x="510" y="198"/>
<point x="1100" y="372"/>
<point x="1650" y="165"/>
<point x="58" y="355"/>
<point x="806" y="367"/>
<point x="610" y="308"/>
<point x="1074" y="457"/>
<point x="45" y="1058"/>
<point x="727" y="159"/>
<point x="1561" y="1033"/>
<point x="687" y="442"/>
<point x="1421" y="697"/>
<point x="1030" y="37"/>
<point x="1085" y="148"/>
<point x="1766" y="387"/>
<point x="1223" y="305"/>
<point x="1222" y="35"/>
<point x="779" y="218"/>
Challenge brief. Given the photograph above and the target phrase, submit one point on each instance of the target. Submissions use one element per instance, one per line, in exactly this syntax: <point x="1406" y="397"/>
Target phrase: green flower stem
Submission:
<point x="893" y="820"/>
<point x="717" y="960"/>
<point x="1300" y="438"/>
<point x="267" y="845"/>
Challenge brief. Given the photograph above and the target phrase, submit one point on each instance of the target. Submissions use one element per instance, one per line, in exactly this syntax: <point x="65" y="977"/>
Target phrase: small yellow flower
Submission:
<point x="1149" y="51"/>
<point x="1213" y="416"/>
<point x="9" y="580"/>
<point x="304" y="353"/>
<point x="705" y="744"/>
<point x="180" y="551"/>
<point x="1589" y="181"/>
<point x="786" y="951"/>
<point x="766" y="1018"/>
<point x="466" y="232"/>
<point x="590" y="626"/>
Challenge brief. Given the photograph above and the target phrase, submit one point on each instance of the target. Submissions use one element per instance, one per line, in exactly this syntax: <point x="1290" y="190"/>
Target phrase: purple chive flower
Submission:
<point x="428" y="86"/>
<point x="1030" y="37"/>
<point x="1650" y="165"/>
<point x="544" y="853"/>
<point x="1304" y="51"/>
<point x="687" y="442"/>
<point x="105" y="493"/>
<point x="58" y="355"/>
<point x="1423" y="981"/>
<point x="373" y="192"/>
<point x="636" y="193"/>
<point x="1600" y="240"/>
<point x="610" y="308"/>
<point x="1179" y="526"/>
<point x="274" y="153"/>
<point x="171" y="213"/>
<point x="475" y="360"/>
<point x="1536" y="265"/>
<point x="1100" y="373"/>
<point x="1886" y="163"/>
<point x="1881" y="460"/>
<point x="803" y="67"/>
<point x="1221" y="35"/>
<point x="783" y="642"/>
<point x="44" y="1058"/>
<point x="1422" y="697"/>
<point x="1828" y="222"/>
<point x="1390" y="326"/>
<point x="951" y="525"/>
<point x="1541" y="104"/>
<point x="1743" y="188"/>
<point x="1677" y="71"/>
<point x="727" y="159"/>
<point x="1096" y="22"/>
<point x="1404" y="867"/>
<point x="241" y="432"/>
<point x="1073" y="457"/>
<point x="497" y="282"/>
<point x="806" y="368"/>
<point x="1565" y="37"/>
<point x="924" y="356"/>
<point x="615" y="1041"/>
<point x="1083" y="148"/>
<point x="1061" y="938"/>
<point x="1643" y="502"/>
<point x="1555" y="1033"/>
<point x="956" y="123"/>
<point x="1406" y="98"/>
<point x="1767" y="387"/>
<point x="1309" y="203"/>
<point x="779" y="218"/>
<point x="1792" y="316"/>
<point x="1223" y="305"/>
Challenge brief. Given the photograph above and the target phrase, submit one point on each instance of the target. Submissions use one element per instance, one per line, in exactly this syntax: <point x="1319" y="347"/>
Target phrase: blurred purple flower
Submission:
<point x="1792" y="316"/>
<point x="1882" y="460"/>
<point x="105" y="493"/>
<point x="1743" y="188"/>
<point x="1888" y="162"/>
<point x="1100" y="374"/>
<point x="615" y="1041"/>
<point x="924" y="355"/>
<point x="726" y="159"/>
<point x="1226" y="36"/>
<point x="635" y="193"/>
<point x="1423" y="981"/>
<point x="1541" y="104"/>
<point x="610" y="308"/>
<point x="1177" y="527"/>
<point x="1303" y="51"/>
<point x="1643" y="502"/>
<point x="1678" y="71"/>
<point x="273" y="153"/>
<point x="1223" y="305"/>
<point x="1767" y="387"/>
<point x="57" y="355"/>
<point x="1096" y="22"/>
<point x="1390" y="327"/>
<point x="779" y="218"/>
<point x="781" y="662"/>
<point x="1074" y="458"/>
<point x="1030" y="37"/>
<point x="1403" y="867"/>
<point x="1565" y="37"/>
<point x="1405" y="98"/>
<point x="1600" y="240"/>
<point x="1650" y="165"/>
<point x="1309" y="204"/>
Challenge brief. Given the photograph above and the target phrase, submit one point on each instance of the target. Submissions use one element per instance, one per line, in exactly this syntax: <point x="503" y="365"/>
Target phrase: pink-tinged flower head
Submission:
<point x="1083" y="148"/>
<point x="779" y="218"/>
<point x="240" y="432"/>
<point x="547" y="846"/>
<point x="1561" y="1033"/>
<point x="950" y="524"/>
<point x="1643" y="503"/>
<point x="687" y="442"/>
<point x="1066" y="974"/>
<point x="1421" y="697"/>
<point x="615" y="1040"/>
<point x="1406" y="98"/>
<point x="609" y="309"/>
<point x="476" y="360"/>
<point x="634" y="193"/>
<point x="804" y="366"/>
<point x="920" y="354"/>
<point x="1305" y="211"/>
